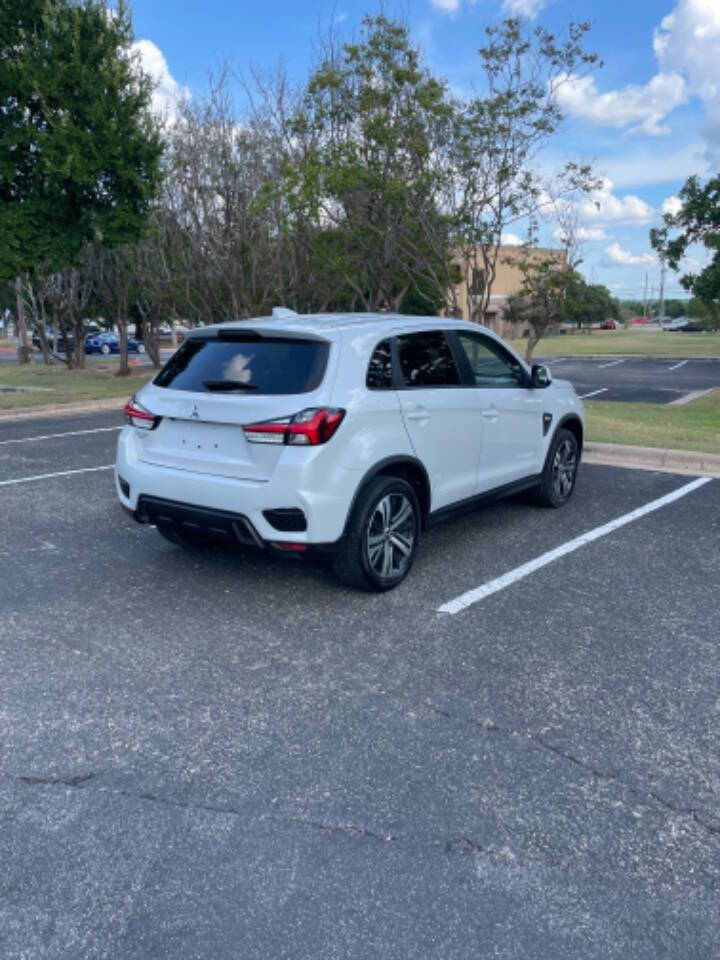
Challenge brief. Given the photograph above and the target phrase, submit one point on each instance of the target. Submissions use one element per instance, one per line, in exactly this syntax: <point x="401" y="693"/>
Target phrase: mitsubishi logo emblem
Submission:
<point x="194" y="415"/>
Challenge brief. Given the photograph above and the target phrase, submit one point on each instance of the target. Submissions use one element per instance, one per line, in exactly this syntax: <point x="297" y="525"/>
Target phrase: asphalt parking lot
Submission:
<point x="229" y="755"/>
<point x="636" y="379"/>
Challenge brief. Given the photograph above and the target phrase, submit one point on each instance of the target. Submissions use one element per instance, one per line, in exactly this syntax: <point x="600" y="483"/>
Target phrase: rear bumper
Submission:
<point x="315" y="488"/>
<point x="224" y="526"/>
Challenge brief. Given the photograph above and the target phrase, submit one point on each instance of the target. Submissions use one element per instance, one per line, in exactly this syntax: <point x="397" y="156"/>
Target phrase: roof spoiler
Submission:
<point x="283" y="313"/>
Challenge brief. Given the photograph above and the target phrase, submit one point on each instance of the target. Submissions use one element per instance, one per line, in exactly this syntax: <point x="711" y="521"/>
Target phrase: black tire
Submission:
<point x="560" y="471"/>
<point x="187" y="539"/>
<point x="382" y="536"/>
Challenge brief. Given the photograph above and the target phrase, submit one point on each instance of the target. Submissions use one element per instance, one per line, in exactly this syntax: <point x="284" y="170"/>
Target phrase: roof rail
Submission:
<point x="282" y="313"/>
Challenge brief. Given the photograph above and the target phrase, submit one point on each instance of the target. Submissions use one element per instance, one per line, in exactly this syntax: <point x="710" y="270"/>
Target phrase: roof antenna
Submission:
<point x="282" y="313"/>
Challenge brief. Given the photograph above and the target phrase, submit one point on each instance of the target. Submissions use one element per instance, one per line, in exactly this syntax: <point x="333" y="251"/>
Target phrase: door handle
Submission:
<point x="490" y="413"/>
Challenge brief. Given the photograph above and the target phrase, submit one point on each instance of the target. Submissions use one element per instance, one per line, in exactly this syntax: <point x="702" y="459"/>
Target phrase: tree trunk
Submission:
<point x="533" y="340"/>
<point x="24" y="350"/>
<point x="152" y="345"/>
<point x="124" y="367"/>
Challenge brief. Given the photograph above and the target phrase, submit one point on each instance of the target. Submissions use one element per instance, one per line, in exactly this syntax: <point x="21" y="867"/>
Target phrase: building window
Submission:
<point x="477" y="287"/>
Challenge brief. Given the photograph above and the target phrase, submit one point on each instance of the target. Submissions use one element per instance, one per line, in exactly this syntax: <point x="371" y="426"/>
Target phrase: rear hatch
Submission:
<point x="221" y="380"/>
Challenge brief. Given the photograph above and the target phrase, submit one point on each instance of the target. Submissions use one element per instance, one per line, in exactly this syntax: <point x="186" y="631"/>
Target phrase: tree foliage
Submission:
<point x="697" y="221"/>
<point x="368" y="187"/>
<point x="497" y="136"/>
<point x="79" y="151"/>
<point x="374" y="121"/>
<point x="79" y="154"/>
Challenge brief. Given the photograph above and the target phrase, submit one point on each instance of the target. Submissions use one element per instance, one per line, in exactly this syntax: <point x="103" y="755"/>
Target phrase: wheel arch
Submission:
<point x="406" y="468"/>
<point x="573" y="423"/>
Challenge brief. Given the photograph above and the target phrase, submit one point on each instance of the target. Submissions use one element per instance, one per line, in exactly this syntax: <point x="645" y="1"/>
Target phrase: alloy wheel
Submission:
<point x="391" y="534"/>
<point x="564" y="469"/>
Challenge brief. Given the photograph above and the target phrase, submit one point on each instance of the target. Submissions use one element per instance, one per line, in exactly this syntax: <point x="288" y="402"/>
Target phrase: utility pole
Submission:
<point x="663" y="269"/>
<point x="645" y="296"/>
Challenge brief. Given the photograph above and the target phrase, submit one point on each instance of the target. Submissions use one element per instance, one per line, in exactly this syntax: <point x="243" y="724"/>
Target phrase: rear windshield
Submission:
<point x="249" y="364"/>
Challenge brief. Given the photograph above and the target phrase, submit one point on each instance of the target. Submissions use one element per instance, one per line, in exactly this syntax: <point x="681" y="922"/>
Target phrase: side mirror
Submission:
<point x="540" y="376"/>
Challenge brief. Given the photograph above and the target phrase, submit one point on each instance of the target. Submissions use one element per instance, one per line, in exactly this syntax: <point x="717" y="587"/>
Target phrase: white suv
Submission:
<point x="346" y="433"/>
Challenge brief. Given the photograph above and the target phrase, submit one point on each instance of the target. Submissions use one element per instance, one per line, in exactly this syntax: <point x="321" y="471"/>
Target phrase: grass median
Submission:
<point x="59" y="385"/>
<point x="692" y="426"/>
<point x="640" y="343"/>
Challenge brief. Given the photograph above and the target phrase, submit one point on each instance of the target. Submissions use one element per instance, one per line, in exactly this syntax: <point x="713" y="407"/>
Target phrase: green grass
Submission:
<point x="693" y="426"/>
<point x="649" y="343"/>
<point x="97" y="382"/>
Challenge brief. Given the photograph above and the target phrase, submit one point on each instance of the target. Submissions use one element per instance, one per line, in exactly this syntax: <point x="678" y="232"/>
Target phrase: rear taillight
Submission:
<point x="308" y="428"/>
<point x="137" y="416"/>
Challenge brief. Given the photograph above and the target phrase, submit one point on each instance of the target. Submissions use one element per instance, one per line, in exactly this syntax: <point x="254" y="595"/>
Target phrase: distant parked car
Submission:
<point x="107" y="343"/>
<point x="608" y="325"/>
<point x="641" y="320"/>
<point x="50" y="338"/>
<point x="683" y="325"/>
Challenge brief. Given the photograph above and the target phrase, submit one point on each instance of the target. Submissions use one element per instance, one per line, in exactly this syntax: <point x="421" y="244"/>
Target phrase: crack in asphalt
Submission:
<point x="66" y="781"/>
<point x="461" y="845"/>
<point x="609" y="776"/>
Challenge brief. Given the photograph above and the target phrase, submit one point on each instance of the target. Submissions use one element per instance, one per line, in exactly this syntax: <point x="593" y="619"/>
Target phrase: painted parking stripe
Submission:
<point x="49" y="476"/>
<point x="613" y="363"/>
<point x="69" y="433"/>
<point x="678" y="365"/>
<point x="594" y="393"/>
<point x="466" y="600"/>
<point x="557" y="360"/>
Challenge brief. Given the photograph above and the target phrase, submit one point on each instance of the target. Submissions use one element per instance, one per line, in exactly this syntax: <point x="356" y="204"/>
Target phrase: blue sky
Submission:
<point x="647" y="120"/>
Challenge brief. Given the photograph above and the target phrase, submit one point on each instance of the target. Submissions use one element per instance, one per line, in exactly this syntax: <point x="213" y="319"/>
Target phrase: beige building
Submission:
<point x="508" y="280"/>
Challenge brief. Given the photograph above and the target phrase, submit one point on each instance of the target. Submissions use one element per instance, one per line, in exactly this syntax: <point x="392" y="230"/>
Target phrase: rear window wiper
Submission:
<point x="228" y="385"/>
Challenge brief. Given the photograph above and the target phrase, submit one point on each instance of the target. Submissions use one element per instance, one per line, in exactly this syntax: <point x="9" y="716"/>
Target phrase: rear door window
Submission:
<point x="426" y="360"/>
<point x="246" y="364"/>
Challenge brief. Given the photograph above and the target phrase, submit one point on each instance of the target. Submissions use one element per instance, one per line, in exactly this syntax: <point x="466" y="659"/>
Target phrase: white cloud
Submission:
<point x="602" y="207"/>
<point x="168" y="93"/>
<point x="672" y="205"/>
<point x="582" y="234"/>
<point x="687" y="48"/>
<point x="688" y="41"/>
<point x="512" y="8"/>
<point x="511" y="240"/>
<point x="643" y="106"/>
<point x="447" y="6"/>
<point x="523" y="8"/>
<point x="624" y="258"/>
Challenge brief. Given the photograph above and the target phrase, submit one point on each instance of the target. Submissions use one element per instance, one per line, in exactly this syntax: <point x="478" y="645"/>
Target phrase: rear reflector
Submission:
<point x="308" y="428"/>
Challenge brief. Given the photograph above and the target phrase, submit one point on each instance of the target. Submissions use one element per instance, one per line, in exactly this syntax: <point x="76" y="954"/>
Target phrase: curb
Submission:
<point x="60" y="409"/>
<point x="685" y="462"/>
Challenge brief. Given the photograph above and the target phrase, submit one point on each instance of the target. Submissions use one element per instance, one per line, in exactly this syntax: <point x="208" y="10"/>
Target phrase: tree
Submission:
<point x="496" y="140"/>
<point x="697" y="221"/>
<point x="706" y="311"/>
<point x="541" y="300"/>
<point x="588" y="303"/>
<point x="373" y="122"/>
<point x="79" y="150"/>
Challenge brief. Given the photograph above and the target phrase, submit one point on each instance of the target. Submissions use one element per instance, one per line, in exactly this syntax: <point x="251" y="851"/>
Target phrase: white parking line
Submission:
<point x="557" y="360"/>
<point x="49" y="476"/>
<point x="678" y="365"/>
<point x="51" y="436"/>
<point x="594" y="393"/>
<point x="507" y="579"/>
<point x="613" y="363"/>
